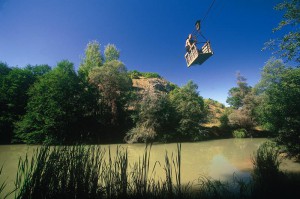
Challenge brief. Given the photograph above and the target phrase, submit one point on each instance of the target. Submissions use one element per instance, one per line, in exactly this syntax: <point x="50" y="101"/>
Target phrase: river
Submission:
<point x="219" y="159"/>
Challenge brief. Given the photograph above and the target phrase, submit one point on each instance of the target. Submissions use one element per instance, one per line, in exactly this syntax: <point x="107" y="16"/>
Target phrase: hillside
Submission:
<point x="216" y="109"/>
<point x="160" y="85"/>
<point x="152" y="85"/>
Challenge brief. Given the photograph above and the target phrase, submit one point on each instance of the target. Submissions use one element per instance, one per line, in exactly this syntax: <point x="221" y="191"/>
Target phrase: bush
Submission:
<point x="240" y="119"/>
<point x="239" y="133"/>
<point x="150" y="75"/>
<point x="268" y="180"/>
<point x="140" y="133"/>
<point x="134" y="74"/>
<point x="224" y="120"/>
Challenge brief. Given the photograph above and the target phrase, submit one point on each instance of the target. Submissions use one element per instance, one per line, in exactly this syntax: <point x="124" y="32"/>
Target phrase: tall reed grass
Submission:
<point x="3" y="184"/>
<point x="93" y="172"/>
<point x="268" y="181"/>
<point x="84" y="172"/>
<point x="60" y="172"/>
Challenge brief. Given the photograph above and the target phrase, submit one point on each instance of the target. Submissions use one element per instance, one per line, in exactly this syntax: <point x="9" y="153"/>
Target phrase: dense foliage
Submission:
<point x="288" y="45"/>
<point x="237" y="94"/>
<point x="55" y="107"/>
<point x="14" y="84"/>
<point x="97" y="104"/>
<point x="114" y="85"/>
<point x="172" y="116"/>
<point x="155" y="117"/>
<point x="274" y="102"/>
<point x="190" y="110"/>
<point x="279" y="110"/>
<point x="93" y="58"/>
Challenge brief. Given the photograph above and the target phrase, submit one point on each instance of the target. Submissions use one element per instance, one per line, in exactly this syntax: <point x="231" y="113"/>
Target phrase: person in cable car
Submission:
<point x="189" y="43"/>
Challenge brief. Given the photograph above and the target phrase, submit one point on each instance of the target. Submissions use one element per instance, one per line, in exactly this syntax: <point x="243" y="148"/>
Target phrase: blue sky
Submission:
<point x="149" y="33"/>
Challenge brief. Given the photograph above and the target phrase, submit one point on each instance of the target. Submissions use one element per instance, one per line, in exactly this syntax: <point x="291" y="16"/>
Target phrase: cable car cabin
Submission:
<point x="198" y="56"/>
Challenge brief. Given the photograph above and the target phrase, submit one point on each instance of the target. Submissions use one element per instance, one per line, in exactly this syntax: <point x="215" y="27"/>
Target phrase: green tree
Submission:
<point x="38" y="70"/>
<point x="5" y="116"/>
<point x="243" y="101"/>
<point x="189" y="106"/>
<point x="111" y="53"/>
<point x="279" y="110"/>
<point x="54" y="109"/>
<point x="92" y="59"/>
<point x="114" y="85"/>
<point x="287" y="46"/>
<point x="224" y="120"/>
<point x="4" y="69"/>
<point x="155" y="118"/>
<point x="237" y="94"/>
<point x="14" y="85"/>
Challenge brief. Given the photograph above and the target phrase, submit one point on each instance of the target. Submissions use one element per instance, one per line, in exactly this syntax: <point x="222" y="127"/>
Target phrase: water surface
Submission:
<point x="218" y="159"/>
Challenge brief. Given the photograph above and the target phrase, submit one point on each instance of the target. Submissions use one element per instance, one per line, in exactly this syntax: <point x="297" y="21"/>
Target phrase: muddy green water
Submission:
<point x="218" y="159"/>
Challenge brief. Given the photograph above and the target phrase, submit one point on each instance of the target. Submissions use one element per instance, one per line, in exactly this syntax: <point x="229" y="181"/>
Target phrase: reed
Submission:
<point x="84" y="172"/>
<point x="70" y="172"/>
<point x="3" y="184"/>
<point x="266" y="176"/>
<point x="2" y="187"/>
<point x="92" y="172"/>
<point x="210" y="188"/>
<point x="142" y="181"/>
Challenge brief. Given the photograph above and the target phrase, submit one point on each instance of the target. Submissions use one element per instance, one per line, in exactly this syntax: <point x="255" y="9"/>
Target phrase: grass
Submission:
<point x="92" y="172"/>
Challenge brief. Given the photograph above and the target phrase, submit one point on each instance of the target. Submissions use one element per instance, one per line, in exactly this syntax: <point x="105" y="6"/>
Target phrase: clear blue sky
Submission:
<point x="149" y="33"/>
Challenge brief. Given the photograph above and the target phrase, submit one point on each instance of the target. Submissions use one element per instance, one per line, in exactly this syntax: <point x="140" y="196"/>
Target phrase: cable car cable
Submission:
<point x="211" y="5"/>
<point x="197" y="30"/>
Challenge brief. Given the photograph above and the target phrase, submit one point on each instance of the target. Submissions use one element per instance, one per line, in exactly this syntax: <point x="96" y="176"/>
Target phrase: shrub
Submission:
<point x="150" y="75"/>
<point x="239" y="133"/>
<point x="268" y="180"/>
<point x="224" y="120"/>
<point x="240" y="119"/>
<point x="134" y="74"/>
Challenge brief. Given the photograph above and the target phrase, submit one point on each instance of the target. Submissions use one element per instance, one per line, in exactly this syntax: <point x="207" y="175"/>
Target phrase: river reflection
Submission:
<point x="218" y="159"/>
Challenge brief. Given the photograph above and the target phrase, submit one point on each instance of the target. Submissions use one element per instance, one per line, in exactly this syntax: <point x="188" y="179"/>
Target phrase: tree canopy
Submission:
<point x="92" y="59"/>
<point x="237" y="94"/>
<point x="14" y="86"/>
<point x="54" y="107"/>
<point x="114" y="84"/>
<point x="287" y="46"/>
<point x="111" y="53"/>
<point x="279" y="110"/>
<point x="189" y="106"/>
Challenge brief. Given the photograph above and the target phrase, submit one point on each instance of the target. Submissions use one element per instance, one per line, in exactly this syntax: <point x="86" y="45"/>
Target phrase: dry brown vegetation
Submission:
<point x="215" y="109"/>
